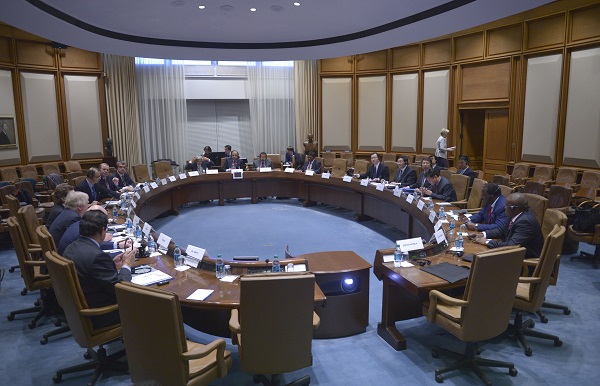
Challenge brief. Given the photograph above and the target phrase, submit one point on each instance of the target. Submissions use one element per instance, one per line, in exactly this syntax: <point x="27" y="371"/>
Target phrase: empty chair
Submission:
<point x="589" y="185"/>
<point x="339" y="168"/>
<point x="532" y="187"/>
<point x="73" y="166"/>
<point x="537" y="205"/>
<point x="520" y="172"/>
<point x="167" y="358"/>
<point x="275" y="337"/>
<point x="162" y="169"/>
<point x="411" y="158"/>
<point x="473" y="204"/>
<point x="50" y="168"/>
<point x="43" y="201"/>
<point x="543" y="174"/>
<point x="328" y="158"/>
<point x="501" y="180"/>
<point x="348" y="155"/>
<point x="461" y="185"/>
<point x="589" y="236"/>
<point x="30" y="172"/>
<point x="388" y="157"/>
<point x="276" y="160"/>
<point x="9" y="175"/>
<point x="393" y="166"/>
<point x="506" y="190"/>
<point x="566" y="176"/>
<point x="361" y="166"/>
<point x="141" y="173"/>
<point x="445" y="173"/>
<point x="482" y="313"/>
<point x="559" y="197"/>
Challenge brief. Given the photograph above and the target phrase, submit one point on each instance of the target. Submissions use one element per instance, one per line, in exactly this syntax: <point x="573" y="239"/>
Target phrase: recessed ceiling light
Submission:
<point x="252" y="9"/>
<point x="201" y="6"/>
<point x="297" y="4"/>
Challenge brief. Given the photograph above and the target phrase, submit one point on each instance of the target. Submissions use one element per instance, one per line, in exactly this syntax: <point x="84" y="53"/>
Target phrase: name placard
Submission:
<point x="147" y="228"/>
<point x="133" y="204"/>
<point x="172" y="178"/>
<point x="326" y="175"/>
<point x="432" y="216"/>
<point x="397" y="192"/>
<point x="136" y="220"/>
<point x="437" y="225"/>
<point x="440" y="237"/>
<point x="289" y="170"/>
<point x="410" y="198"/>
<point x="420" y="205"/>
<point x="182" y="176"/>
<point x="163" y="181"/>
<point x="137" y="195"/>
<point x="163" y="241"/>
<point x="194" y="173"/>
<point x="380" y="186"/>
<point x="153" y="185"/>
<point x="410" y="244"/>
<point x="146" y="189"/>
<point x="347" y="179"/>
<point x="265" y="170"/>
<point x="212" y="171"/>
<point x="364" y="182"/>
<point x="309" y="172"/>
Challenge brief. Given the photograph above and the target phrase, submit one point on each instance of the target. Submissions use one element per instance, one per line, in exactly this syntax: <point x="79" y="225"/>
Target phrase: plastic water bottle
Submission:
<point x="451" y="226"/>
<point x="430" y="205"/>
<point x="115" y="213"/>
<point x="463" y="229"/>
<point x="219" y="267"/>
<point x="177" y="256"/>
<point x="441" y="213"/>
<point x="123" y="202"/>
<point x="397" y="256"/>
<point x="460" y="241"/>
<point x="276" y="267"/>
<point x="151" y="244"/>
<point x="129" y="227"/>
<point x="138" y="233"/>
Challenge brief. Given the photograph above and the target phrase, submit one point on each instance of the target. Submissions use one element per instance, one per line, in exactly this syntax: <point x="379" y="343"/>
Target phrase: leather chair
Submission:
<point x="275" y="336"/>
<point x="43" y="201"/>
<point x="75" y="181"/>
<point x="537" y="205"/>
<point x="473" y="204"/>
<point x="482" y="313"/>
<point x="590" y="238"/>
<point x="389" y="157"/>
<point x="446" y="173"/>
<point x="348" y="155"/>
<point x="73" y="166"/>
<point x="162" y="169"/>
<point x="276" y="160"/>
<point x="420" y="157"/>
<point x="51" y="168"/>
<point x="566" y="176"/>
<point x="531" y="290"/>
<point x="30" y="272"/>
<point x="30" y="172"/>
<point x="411" y="158"/>
<point x="339" y="168"/>
<point x="589" y="187"/>
<point x="506" y="190"/>
<point x="532" y="187"/>
<point x="543" y="174"/>
<point x="29" y="222"/>
<point x="461" y="185"/>
<point x="9" y="175"/>
<point x="559" y="197"/>
<point x="361" y="166"/>
<point x="45" y="238"/>
<point x="68" y="291"/>
<point x="328" y="158"/>
<point x="140" y="173"/>
<point x="164" y="358"/>
<point x="393" y="166"/>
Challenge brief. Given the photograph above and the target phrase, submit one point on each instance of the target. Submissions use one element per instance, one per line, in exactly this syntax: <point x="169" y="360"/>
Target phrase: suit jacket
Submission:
<point x="98" y="275"/>
<point x="383" y="172"/>
<point x="316" y="166"/>
<point x="62" y="222"/>
<point x="72" y="233"/>
<point x="228" y="164"/>
<point x="56" y="210"/>
<point x="297" y="159"/>
<point x="123" y="181"/>
<point x="444" y="190"/>
<point x="408" y="178"/>
<point x="525" y="231"/>
<point x="268" y="163"/>
<point x="84" y="187"/>
<point x="193" y="166"/>
<point x="103" y="190"/>
<point x="4" y="140"/>
<point x="469" y="172"/>
<point x="421" y="181"/>
<point x="497" y="220"/>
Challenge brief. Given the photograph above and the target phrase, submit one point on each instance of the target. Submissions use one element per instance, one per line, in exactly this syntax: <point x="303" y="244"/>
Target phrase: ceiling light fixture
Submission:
<point x="252" y="9"/>
<point x="201" y="6"/>
<point x="297" y="4"/>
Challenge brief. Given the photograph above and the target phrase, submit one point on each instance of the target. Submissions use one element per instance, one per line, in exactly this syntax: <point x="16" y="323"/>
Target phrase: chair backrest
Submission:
<point x="75" y="181"/>
<point x="388" y="157"/>
<point x="9" y="174"/>
<point x="328" y="158"/>
<point x="461" y="185"/>
<point x="276" y="318"/>
<point x="27" y="269"/>
<point x="411" y="158"/>
<point x="506" y="190"/>
<point x="5" y="191"/>
<point x="559" y="196"/>
<point x="276" y="160"/>
<point x="419" y="158"/>
<point x="476" y="195"/>
<point x="45" y="239"/>
<point x="534" y="187"/>
<point x="553" y="217"/>
<point x="26" y="185"/>
<point x="52" y="180"/>
<point x="543" y="173"/>
<point x="339" y="167"/>
<point x="140" y="173"/>
<point x="445" y="173"/>
<point x="566" y="176"/>
<point x="73" y="166"/>
<point x="50" y="168"/>
<point x="348" y="156"/>
<point x="501" y="180"/>
<point x="590" y="179"/>
<point x="13" y="205"/>
<point x="537" y="205"/>
<point x="162" y="169"/>
<point x="157" y="360"/>
<point x="393" y="166"/>
<point x="29" y="222"/>
<point x="29" y="171"/>
<point x="361" y="166"/>
<point x="70" y="175"/>
<point x="520" y="171"/>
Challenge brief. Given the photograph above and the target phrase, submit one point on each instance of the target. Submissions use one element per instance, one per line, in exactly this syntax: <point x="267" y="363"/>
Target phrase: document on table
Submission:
<point x="200" y="294"/>
<point x="150" y="278"/>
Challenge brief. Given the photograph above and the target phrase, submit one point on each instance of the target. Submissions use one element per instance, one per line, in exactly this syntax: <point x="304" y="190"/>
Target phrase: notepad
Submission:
<point x="150" y="278"/>
<point x="449" y="272"/>
<point x="200" y="294"/>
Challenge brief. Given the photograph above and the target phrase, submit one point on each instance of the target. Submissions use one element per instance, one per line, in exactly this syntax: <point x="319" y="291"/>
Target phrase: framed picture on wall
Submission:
<point x="8" y="133"/>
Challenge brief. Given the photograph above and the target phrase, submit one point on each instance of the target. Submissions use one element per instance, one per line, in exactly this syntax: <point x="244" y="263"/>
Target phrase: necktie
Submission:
<point x="510" y="224"/>
<point x="490" y="215"/>
<point x="400" y="176"/>
<point x="263" y="164"/>
<point x="234" y="165"/>
<point x="93" y="193"/>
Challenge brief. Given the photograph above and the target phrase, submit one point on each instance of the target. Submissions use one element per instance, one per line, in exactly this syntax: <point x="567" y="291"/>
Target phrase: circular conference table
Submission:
<point x="342" y="314"/>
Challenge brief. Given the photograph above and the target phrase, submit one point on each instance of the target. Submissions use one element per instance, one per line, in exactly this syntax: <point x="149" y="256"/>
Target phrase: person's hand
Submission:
<point x="356" y="175"/>
<point x="128" y="257"/>
<point x="470" y="226"/>
<point x="451" y="148"/>
<point x="125" y="244"/>
<point x="115" y="181"/>
<point x="108" y="236"/>
<point x="479" y="239"/>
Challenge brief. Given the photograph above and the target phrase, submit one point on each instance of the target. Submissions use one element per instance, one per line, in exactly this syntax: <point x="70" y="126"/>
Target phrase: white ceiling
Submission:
<point x="228" y="30"/>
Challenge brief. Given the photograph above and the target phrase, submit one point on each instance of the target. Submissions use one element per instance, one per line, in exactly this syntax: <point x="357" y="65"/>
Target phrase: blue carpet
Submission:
<point x="264" y="229"/>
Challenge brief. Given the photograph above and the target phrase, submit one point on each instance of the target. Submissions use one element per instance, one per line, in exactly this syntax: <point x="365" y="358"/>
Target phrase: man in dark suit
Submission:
<point x="98" y="272"/>
<point x="294" y="159"/>
<point x="121" y="180"/>
<point x="523" y="228"/>
<point x="463" y="168"/>
<point x="263" y="162"/>
<point x="492" y="215"/>
<point x="4" y="140"/>
<point x="422" y="179"/>
<point x="60" y="194"/>
<point x="103" y="185"/>
<point x="440" y="188"/>
<point x="405" y="175"/>
<point x="234" y="162"/>
<point x="377" y="171"/>
<point x="88" y="186"/>
<point x="311" y="163"/>
<point x="76" y="204"/>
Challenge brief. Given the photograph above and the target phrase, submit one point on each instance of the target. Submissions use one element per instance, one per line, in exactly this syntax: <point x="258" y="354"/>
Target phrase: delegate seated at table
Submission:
<point x="263" y="162"/>
<point x="311" y="163"/>
<point x="440" y="188"/>
<point x="405" y="175"/>
<point x="377" y="171"/>
<point x="234" y="162"/>
<point x="492" y="215"/>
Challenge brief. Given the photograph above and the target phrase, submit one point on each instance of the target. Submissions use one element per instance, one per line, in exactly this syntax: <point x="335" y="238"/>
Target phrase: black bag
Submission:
<point x="586" y="217"/>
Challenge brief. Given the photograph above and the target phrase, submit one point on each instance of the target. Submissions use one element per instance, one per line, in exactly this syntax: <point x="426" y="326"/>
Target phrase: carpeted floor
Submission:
<point x="264" y="229"/>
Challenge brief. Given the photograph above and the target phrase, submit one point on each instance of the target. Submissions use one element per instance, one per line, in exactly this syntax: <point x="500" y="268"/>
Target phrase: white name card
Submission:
<point x="133" y="204"/>
<point x="129" y="211"/>
<point x="410" y="244"/>
<point x="289" y="170"/>
<point x="397" y="192"/>
<point x="153" y="185"/>
<point x="182" y="176"/>
<point x="420" y="205"/>
<point x="146" y="189"/>
<point x="380" y="187"/>
<point x="195" y="173"/>
<point x="347" y="179"/>
<point x="212" y="171"/>
<point x="137" y="195"/>
<point x="309" y="172"/>
<point x="264" y="170"/>
<point x="364" y="182"/>
<point x="163" y="181"/>
<point x="147" y="228"/>
<point x="388" y="258"/>
<point x="440" y="237"/>
<point x="163" y="241"/>
<point x="410" y="198"/>
<point x="432" y="216"/>
<point x="437" y="225"/>
<point x="326" y="175"/>
<point x="172" y="178"/>
<point x="136" y="220"/>
<point x="196" y="255"/>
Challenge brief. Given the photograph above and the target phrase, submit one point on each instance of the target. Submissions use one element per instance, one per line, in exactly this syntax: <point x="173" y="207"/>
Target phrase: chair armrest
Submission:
<point x="528" y="263"/>
<point x="316" y="321"/>
<point x="525" y="279"/>
<point x="203" y="351"/>
<point x="461" y="203"/>
<point x="473" y="211"/>
<point x="99" y="311"/>
<point x="234" y="322"/>
<point x="435" y="295"/>
<point x="35" y="263"/>
<point x="34" y="248"/>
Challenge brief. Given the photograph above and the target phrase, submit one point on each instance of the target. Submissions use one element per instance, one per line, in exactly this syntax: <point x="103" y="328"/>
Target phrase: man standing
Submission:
<point x="523" y="228"/>
<point x="463" y="168"/>
<point x="377" y="171"/>
<point x="492" y="215"/>
<point x="121" y="179"/>
<point x="88" y="186"/>
<point x="234" y="162"/>
<point x="405" y="175"/>
<point x="311" y="163"/>
<point x="440" y="188"/>
<point x="98" y="272"/>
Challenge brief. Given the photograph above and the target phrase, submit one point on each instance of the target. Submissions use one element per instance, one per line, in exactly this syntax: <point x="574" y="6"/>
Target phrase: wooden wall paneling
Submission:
<point x="76" y="59"/>
<point x="371" y="112"/>
<point x="436" y="91"/>
<point x="9" y="156"/>
<point x="337" y="113"/>
<point x="546" y="32"/>
<point x="6" y="50"/>
<point x="35" y="54"/>
<point x="504" y="40"/>
<point x="335" y="65"/>
<point x="473" y="132"/>
<point x="406" y="57"/>
<point x="488" y="81"/>
<point x="468" y="47"/>
<point x="541" y="110"/>
<point x="496" y="143"/>
<point x="584" y="24"/>
<point x="372" y="61"/>
<point x="404" y="106"/>
<point x="437" y="52"/>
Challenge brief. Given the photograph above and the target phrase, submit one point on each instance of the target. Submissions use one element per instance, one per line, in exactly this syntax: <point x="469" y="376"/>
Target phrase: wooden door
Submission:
<point x="495" y="148"/>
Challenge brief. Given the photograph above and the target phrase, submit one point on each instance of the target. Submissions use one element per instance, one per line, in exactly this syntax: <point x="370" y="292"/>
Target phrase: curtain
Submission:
<point x="122" y="108"/>
<point x="270" y="93"/>
<point x="162" y="109"/>
<point x="306" y="82"/>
